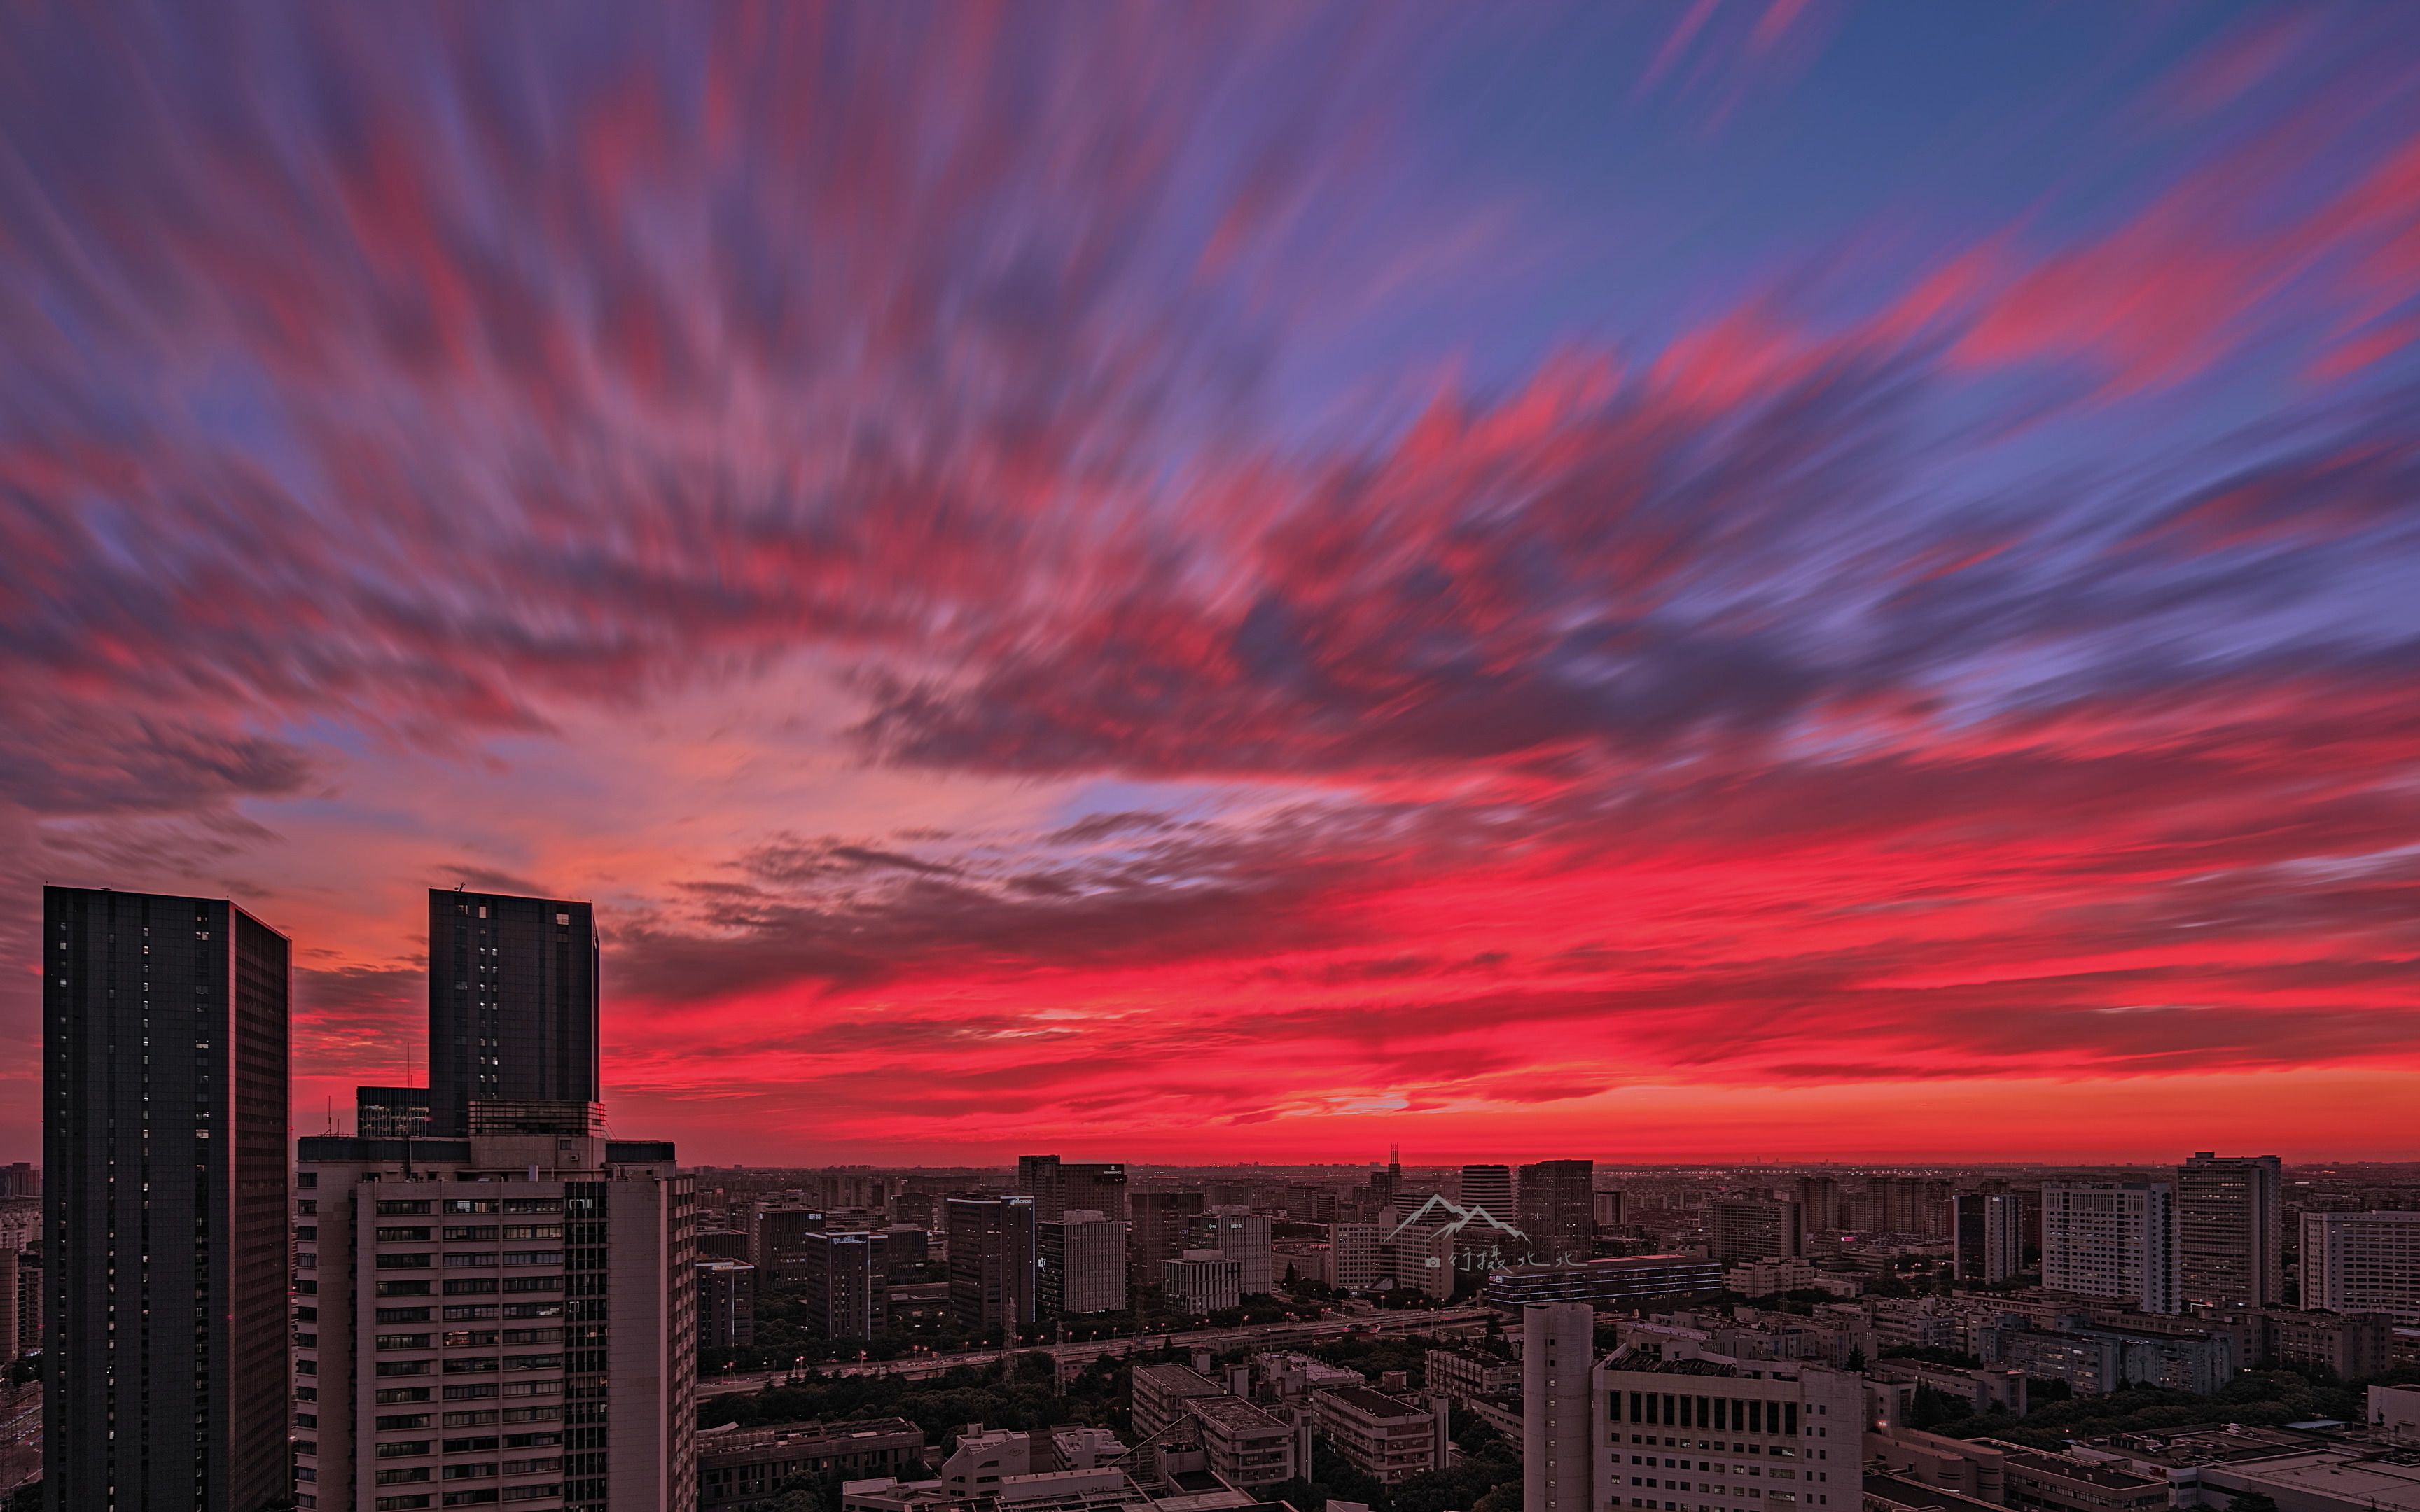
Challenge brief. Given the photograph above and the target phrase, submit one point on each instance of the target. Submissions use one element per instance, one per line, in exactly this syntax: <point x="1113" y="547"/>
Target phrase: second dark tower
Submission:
<point x="512" y="1004"/>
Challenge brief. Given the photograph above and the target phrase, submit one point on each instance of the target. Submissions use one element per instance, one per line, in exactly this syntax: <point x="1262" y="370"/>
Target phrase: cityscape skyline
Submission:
<point x="1692" y="582"/>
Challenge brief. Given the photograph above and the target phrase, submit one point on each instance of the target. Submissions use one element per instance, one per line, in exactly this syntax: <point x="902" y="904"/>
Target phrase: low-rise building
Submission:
<point x="1759" y="1435"/>
<point x="2059" y="1483"/>
<point x="1627" y="1281"/>
<point x="1160" y="1394"/>
<point x="1466" y="1374"/>
<point x="1384" y="1437"/>
<point x="740" y="1470"/>
<point x="2349" y="1344"/>
<point x="1244" y="1446"/>
<point x="1297" y="1375"/>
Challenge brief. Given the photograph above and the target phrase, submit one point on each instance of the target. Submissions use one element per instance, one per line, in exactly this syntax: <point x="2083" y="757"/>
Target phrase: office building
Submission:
<point x="2230" y="1231"/>
<point x="512" y="1004"/>
<point x="1157" y="1227"/>
<point x="30" y="1312"/>
<point x="1244" y="1446"/>
<point x="1989" y="1238"/>
<point x="1558" y="1210"/>
<point x="1612" y="1211"/>
<point x="164" y="1096"/>
<point x="841" y="1281"/>
<point x="904" y="1250"/>
<point x="1243" y="1236"/>
<point x="2110" y="1237"/>
<point x="1202" y="1281"/>
<point x="504" y="1314"/>
<point x="391" y="1112"/>
<point x="20" y="1179"/>
<point x="1741" y="1229"/>
<point x="726" y="1305"/>
<point x="1489" y="1187"/>
<point x="991" y="1261"/>
<point x="777" y="1240"/>
<point x="1386" y="1438"/>
<point x="1749" y="1424"/>
<point x="1559" y="1448"/>
<point x="723" y="1245"/>
<point x="1058" y="1186"/>
<point x="1081" y="1265"/>
<point x="2362" y="1262"/>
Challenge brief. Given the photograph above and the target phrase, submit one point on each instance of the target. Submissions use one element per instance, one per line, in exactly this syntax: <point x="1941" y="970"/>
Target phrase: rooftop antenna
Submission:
<point x="332" y="1115"/>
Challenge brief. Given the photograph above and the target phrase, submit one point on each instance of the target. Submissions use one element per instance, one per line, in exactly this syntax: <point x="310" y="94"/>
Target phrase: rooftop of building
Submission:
<point x="1233" y="1412"/>
<point x="1376" y="1403"/>
<point x="1174" y="1377"/>
<point x="858" y="1431"/>
<point x="2388" y="1483"/>
<point x="2213" y="1445"/>
<point x="1908" y="1493"/>
<point x="1649" y="1362"/>
<point x="2017" y="1456"/>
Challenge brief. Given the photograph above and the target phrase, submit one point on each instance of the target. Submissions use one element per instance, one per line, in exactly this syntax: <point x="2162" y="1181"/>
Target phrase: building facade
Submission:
<point x="1081" y="1265"/>
<point x="1557" y="1209"/>
<point x="2230" y="1231"/>
<point x="1738" y="1230"/>
<point x="842" y="1280"/>
<point x="1728" y="1436"/>
<point x="1202" y="1281"/>
<point x="1243" y="1237"/>
<point x="726" y="1305"/>
<point x="1558" y="1442"/>
<point x="2362" y="1262"/>
<point x="1386" y="1438"/>
<point x="991" y="1261"/>
<point x="1489" y="1187"/>
<point x="512" y="1004"/>
<point x="1355" y="1255"/>
<point x="510" y="1314"/>
<point x="164" y="1095"/>
<point x="390" y="1112"/>
<point x="2110" y="1237"/>
<point x="1990" y="1236"/>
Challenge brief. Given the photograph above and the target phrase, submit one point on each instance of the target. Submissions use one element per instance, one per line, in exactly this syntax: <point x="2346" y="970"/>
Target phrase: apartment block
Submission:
<point x="2362" y="1262"/>
<point x="1738" y="1230"/>
<point x="501" y="1319"/>
<point x="1386" y="1438"/>
<point x="2110" y="1237"/>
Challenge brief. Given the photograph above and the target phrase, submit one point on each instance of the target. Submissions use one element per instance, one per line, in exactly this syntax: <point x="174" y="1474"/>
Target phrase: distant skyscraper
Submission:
<point x="164" y="1095"/>
<point x="1489" y="1187"/>
<point x="1558" y="1407"/>
<point x="2110" y="1237"/>
<point x="991" y="1261"/>
<point x="1819" y="1203"/>
<point x="1989" y="1239"/>
<point x="1157" y="1225"/>
<point x="391" y="1112"/>
<point x="1738" y="1230"/>
<point x="1059" y="1186"/>
<point x="1557" y="1209"/>
<point x="512" y="1004"/>
<point x="2230" y="1231"/>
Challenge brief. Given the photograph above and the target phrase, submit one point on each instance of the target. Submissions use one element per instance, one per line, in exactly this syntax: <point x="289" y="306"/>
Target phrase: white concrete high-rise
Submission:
<point x="2112" y="1237"/>
<point x="504" y="1313"/>
<point x="1558" y="1441"/>
<point x="2362" y="1262"/>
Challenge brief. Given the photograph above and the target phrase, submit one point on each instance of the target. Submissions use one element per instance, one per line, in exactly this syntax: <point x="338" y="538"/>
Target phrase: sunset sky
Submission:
<point x="1663" y="581"/>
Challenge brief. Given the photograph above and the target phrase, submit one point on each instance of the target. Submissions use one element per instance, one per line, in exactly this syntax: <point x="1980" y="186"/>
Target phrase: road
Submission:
<point x="1264" y="1335"/>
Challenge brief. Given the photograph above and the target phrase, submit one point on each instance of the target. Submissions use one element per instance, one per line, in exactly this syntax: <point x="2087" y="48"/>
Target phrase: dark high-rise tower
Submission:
<point x="165" y="1091"/>
<point x="512" y="1004"/>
